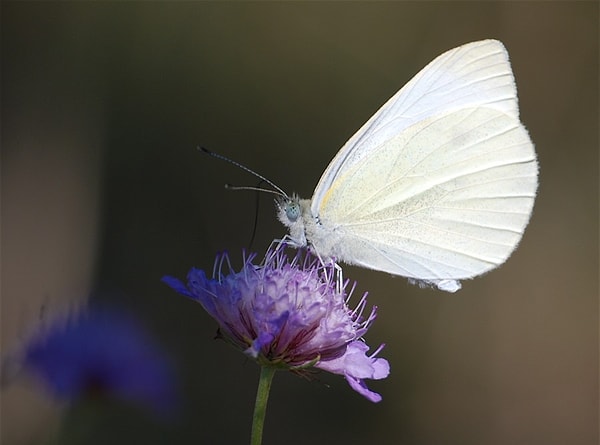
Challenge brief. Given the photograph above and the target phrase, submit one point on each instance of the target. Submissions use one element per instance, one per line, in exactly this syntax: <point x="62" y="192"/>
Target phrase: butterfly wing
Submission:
<point x="439" y="184"/>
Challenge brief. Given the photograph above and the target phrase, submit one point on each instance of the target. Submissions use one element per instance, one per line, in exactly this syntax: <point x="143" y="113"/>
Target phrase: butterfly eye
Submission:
<point x="292" y="210"/>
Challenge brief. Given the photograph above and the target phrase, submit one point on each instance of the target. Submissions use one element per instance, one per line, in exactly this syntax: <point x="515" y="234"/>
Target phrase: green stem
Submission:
<point x="260" y="406"/>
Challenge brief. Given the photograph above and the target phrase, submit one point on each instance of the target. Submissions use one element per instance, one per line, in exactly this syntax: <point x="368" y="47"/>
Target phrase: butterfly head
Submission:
<point x="289" y="212"/>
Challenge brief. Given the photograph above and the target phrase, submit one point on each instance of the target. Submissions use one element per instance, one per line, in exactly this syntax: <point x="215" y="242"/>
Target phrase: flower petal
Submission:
<point x="178" y="286"/>
<point x="359" y="386"/>
<point x="355" y="362"/>
<point x="355" y="365"/>
<point x="262" y="340"/>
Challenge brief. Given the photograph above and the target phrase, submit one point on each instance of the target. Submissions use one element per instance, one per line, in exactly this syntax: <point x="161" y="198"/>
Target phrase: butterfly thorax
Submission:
<point x="305" y="229"/>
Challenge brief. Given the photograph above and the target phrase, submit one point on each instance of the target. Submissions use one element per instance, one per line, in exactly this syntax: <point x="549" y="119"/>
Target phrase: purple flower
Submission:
<point x="289" y="314"/>
<point x="101" y="353"/>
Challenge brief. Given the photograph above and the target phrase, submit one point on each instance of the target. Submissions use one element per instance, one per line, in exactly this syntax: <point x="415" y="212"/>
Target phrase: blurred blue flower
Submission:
<point x="98" y="354"/>
<point x="289" y="314"/>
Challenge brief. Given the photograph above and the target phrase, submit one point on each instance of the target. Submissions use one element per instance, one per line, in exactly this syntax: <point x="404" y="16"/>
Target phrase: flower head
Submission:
<point x="289" y="314"/>
<point x="101" y="353"/>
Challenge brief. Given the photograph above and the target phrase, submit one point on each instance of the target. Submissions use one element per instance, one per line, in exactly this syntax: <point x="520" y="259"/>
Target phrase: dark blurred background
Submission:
<point x="103" y="192"/>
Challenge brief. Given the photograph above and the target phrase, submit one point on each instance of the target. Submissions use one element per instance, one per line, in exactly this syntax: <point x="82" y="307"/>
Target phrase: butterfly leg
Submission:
<point x="277" y="245"/>
<point x="336" y="270"/>
<point x="339" y="274"/>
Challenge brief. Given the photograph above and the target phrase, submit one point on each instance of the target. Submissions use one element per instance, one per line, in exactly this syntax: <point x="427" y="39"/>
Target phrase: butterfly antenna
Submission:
<point x="278" y="191"/>
<point x="255" y="189"/>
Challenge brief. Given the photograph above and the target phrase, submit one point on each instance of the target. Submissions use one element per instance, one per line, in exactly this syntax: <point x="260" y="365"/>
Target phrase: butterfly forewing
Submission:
<point x="472" y="75"/>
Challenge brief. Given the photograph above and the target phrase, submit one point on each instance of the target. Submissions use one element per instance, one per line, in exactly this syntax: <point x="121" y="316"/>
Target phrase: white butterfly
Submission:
<point x="437" y="186"/>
